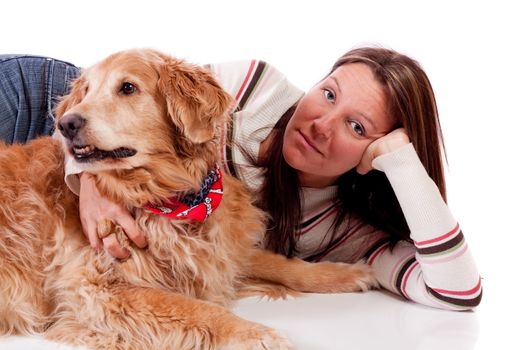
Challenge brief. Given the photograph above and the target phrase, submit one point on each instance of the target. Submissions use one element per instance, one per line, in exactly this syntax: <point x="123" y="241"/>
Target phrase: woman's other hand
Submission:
<point x="383" y="145"/>
<point x="94" y="208"/>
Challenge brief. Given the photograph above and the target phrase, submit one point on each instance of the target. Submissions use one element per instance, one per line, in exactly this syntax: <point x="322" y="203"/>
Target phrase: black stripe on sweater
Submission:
<point x="315" y="218"/>
<point x="401" y="274"/>
<point x="375" y="247"/>
<point x="442" y="247"/>
<point x="473" y="302"/>
<point x="253" y="82"/>
<point x="229" y="151"/>
<point x="333" y="244"/>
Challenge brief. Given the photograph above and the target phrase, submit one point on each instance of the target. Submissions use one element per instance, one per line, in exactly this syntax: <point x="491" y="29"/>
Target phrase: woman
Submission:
<point x="350" y="170"/>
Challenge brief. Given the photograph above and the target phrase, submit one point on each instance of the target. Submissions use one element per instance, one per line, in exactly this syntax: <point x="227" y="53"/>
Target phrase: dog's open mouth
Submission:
<point x="91" y="153"/>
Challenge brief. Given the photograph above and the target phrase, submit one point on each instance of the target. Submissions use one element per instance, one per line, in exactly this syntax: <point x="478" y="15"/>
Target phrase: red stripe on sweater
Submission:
<point x="246" y="79"/>
<point x="437" y="239"/>
<point x="463" y="293"/>
<point x="377" y="253"/>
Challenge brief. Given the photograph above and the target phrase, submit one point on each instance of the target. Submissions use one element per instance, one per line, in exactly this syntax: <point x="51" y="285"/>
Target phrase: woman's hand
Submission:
<point x="383" y="145"/>
<point x="95" y="209"/>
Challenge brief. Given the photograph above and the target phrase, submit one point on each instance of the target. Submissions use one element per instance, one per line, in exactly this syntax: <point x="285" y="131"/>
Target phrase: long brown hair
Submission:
<point x="412" y="103"/>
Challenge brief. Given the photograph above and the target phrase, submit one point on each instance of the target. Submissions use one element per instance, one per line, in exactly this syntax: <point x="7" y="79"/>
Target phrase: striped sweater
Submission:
<point x="436" y="270"/>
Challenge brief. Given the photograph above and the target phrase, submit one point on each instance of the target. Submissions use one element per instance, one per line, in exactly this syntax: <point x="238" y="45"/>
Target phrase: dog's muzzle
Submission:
<point x="71" y="127"/>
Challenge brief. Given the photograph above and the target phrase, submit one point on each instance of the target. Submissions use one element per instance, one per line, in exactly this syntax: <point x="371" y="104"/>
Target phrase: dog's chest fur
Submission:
<point x="186" y="257"/>
<point x="202" y="260"/>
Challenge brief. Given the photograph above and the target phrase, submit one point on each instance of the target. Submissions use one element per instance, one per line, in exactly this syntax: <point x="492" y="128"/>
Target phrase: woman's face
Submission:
<point x="334" y="123"/>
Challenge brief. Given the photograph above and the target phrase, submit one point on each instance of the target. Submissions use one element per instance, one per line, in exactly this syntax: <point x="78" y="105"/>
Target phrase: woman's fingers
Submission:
<point x="90" y="231"/>
<point x="383" y="145"/>
<point x="366" y="161"/>
<point x="113" y="247"/>
<point x="87" y="219"/>
<point x="129" y="226"/>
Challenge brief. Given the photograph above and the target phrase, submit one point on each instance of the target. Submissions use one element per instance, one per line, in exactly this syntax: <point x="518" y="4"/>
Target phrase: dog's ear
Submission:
<point x="195" y="100"/>
<point x="75" y="96"/>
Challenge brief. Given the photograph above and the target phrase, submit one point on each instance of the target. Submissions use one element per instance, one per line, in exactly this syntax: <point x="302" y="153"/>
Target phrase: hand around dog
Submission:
<point x="383" y="145"/>
<point x="95" y="209"/>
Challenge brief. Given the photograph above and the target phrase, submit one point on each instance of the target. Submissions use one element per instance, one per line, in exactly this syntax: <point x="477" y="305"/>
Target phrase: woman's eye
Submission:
<point x="128" y="88"/>
<point x="358" y="128"/>
<point x="330" y="96"/>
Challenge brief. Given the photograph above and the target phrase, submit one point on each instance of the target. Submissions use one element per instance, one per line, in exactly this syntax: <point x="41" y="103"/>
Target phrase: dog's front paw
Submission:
<point x="258" y="338"/>
<point x="343" y="278"/>
<point x="359" y="277"/>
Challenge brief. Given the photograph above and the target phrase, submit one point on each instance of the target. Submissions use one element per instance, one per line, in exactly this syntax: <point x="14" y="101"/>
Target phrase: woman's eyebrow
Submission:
<point x="336" y="82"/>
<point x="365" y="116"/>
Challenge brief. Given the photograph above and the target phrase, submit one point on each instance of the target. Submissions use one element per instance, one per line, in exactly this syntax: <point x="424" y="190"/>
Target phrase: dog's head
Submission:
<point x="141" y="109"/>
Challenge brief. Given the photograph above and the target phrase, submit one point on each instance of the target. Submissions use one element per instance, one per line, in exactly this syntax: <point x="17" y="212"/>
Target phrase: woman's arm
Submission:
<point x="438" y="269"/>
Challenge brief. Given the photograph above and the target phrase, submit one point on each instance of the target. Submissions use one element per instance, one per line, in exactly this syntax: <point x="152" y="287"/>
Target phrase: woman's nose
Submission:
<point x="323" y="126"/>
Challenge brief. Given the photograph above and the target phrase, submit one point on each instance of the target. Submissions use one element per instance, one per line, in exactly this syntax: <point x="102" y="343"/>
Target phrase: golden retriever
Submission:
<point x="145" y="125"/>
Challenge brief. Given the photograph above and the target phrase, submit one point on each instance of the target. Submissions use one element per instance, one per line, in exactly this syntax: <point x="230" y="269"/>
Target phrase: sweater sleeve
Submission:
<point x="72" y="173"/>
<point x="437" y="269"/>
<point x="72" y="169"/>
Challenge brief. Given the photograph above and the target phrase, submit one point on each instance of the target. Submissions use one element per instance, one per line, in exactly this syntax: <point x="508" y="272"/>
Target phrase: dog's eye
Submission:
<point x="128" y="88"/>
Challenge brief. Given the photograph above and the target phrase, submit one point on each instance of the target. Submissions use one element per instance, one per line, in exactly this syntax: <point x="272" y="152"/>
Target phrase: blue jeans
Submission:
<point x="30" y="87"/>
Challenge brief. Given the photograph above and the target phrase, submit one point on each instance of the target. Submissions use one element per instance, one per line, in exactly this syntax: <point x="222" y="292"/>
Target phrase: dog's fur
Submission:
<point x="173" y="294"/>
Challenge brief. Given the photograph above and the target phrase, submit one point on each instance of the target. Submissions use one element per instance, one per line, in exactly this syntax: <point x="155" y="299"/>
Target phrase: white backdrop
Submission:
<point x="473" y="52"/>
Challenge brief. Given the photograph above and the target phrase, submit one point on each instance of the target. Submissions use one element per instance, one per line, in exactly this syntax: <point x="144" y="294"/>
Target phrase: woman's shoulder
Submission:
<point x="248" y="79"/>
<point x="242" y="69"/>
<point x="261" y="95"/>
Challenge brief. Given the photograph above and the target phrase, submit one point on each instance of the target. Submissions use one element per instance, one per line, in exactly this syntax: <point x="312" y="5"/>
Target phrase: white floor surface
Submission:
<point x="372" y="320"/>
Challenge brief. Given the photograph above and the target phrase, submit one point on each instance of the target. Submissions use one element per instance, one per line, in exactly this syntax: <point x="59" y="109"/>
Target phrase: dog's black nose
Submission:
<point x="70" y="125"/>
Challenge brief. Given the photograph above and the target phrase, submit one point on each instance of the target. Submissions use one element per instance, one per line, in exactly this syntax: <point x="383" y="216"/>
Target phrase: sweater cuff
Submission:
<point x="72" y="175"/>
<point x="425" y="210"/>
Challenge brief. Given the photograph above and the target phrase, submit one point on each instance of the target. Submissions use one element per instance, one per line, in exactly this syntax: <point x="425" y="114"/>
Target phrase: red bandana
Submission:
<point x="174" y="208"/>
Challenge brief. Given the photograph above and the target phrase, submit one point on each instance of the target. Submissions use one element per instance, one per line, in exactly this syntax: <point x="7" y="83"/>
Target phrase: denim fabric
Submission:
<point x="30" y="87"/>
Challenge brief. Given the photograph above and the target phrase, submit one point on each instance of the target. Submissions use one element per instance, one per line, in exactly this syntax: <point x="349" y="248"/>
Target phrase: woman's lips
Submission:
<point x="310" y="143"/>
